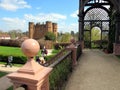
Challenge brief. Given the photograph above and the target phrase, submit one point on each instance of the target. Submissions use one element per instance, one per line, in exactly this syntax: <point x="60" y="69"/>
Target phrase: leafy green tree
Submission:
<point x="50" y="36"/>
<point x="104" y="36"/>
<point x="96" y="34"/>
<point x="72" y="33"/>
<point x="87" y="36"/>
<point x="66" y="37"/>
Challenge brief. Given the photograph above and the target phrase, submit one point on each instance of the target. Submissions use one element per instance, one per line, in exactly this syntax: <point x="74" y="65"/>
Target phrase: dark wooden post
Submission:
<point x="81" y="18"/>
<point x="117" y="35"/>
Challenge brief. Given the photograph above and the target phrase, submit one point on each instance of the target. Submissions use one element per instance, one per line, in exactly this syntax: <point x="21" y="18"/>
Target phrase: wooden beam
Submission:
<point x="96" y="4"/>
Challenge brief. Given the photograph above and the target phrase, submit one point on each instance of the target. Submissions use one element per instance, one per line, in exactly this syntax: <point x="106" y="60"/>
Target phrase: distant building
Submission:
<point x="38" y="31"/>
<point x="4" y="36"/>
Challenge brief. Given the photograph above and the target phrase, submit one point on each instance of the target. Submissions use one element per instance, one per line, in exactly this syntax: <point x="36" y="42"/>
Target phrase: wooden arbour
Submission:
<point x="86" y="5"/>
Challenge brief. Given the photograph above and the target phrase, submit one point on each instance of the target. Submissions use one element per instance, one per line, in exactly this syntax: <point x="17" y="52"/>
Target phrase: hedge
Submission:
<point x="60" y="45"/>
<point x="60" y="74"/>
<point x="16" y="59"/>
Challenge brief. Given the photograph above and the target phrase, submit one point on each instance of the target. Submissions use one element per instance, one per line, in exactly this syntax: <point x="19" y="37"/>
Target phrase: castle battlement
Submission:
<point x="38" y="30"/>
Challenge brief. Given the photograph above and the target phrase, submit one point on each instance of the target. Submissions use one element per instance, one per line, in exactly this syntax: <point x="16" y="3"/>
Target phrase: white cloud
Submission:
<point x="22" y="23"/>
<point x="45" y="17"/>
<point x="15" y="23"/>
<point x="18" y="23"/>
<point x="68" y="28"/>
<point x="74" y="14"/>
<point x="13" y="5"/>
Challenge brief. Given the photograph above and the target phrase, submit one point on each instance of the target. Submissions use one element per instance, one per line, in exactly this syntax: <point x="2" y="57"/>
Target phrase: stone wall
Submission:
<point x="48" y="44"/>
<point x="38" y="31"/>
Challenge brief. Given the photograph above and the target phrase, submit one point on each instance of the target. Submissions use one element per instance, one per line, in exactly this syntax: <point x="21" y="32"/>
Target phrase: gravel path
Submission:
<point x="95" y="71"/>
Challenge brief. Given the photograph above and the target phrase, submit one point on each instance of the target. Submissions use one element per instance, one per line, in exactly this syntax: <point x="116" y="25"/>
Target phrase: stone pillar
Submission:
<point x="74" y="54"/>
<point x="32" y="75"/>
<point x="73" y="47"/>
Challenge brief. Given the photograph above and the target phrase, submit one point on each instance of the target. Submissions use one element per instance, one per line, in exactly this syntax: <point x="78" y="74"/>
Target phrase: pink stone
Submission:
<point x="74" y="52"/>
<point x="32" y="74"/>
<point x="30" y="47"/>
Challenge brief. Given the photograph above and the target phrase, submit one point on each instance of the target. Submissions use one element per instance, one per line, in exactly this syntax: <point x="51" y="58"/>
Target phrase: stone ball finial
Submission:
<point x="30" y="47"/>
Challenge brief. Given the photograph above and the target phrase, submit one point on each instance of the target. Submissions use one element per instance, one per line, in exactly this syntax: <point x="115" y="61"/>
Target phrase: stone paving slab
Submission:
<point x="4" y="81"/>
<point x="95" y="71"/>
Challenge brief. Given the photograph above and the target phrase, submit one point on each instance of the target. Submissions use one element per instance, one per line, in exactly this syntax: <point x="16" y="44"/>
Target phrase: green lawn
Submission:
<point x="10" y="88"/>
<point x="2" y="74"/>
<point x="15" y="51"/>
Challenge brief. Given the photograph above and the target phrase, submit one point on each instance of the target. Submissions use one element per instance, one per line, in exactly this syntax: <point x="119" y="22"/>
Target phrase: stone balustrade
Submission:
<point x="33" y="76"/>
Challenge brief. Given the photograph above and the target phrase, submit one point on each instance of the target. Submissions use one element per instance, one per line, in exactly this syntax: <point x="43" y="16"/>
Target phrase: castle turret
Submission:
<point x="38" y="31"/>
<point x="55" y="28"/>
<point x="31" y="29"/>
<point x="49" y="26"/>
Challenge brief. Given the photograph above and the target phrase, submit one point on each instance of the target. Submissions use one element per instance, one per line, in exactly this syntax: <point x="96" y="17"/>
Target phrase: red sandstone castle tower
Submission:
<point x="39" y="30"/>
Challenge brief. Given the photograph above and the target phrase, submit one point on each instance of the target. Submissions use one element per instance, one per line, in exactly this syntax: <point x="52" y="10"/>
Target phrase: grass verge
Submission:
<point x="3" y="74"/>
<point x="10" y="88"/>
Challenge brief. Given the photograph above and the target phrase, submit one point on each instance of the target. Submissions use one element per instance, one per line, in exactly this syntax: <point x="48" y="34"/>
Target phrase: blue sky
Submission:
<point x="15" y="14"/>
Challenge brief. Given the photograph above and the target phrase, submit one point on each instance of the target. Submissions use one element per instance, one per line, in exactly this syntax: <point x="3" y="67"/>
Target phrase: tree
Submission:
<point x="72" y="33"/>
<point x="50" y="36"/>
<point x="65" y="37"/>
<point x="87" y="36"/>
<point x="15" y="33"/>
<point x="96" y="34"/>
<point x="105" y="36"/>
<point x="26" y="33"/>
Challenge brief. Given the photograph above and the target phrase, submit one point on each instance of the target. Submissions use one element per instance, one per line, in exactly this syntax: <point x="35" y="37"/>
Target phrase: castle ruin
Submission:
<point x="38" y="31"/>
